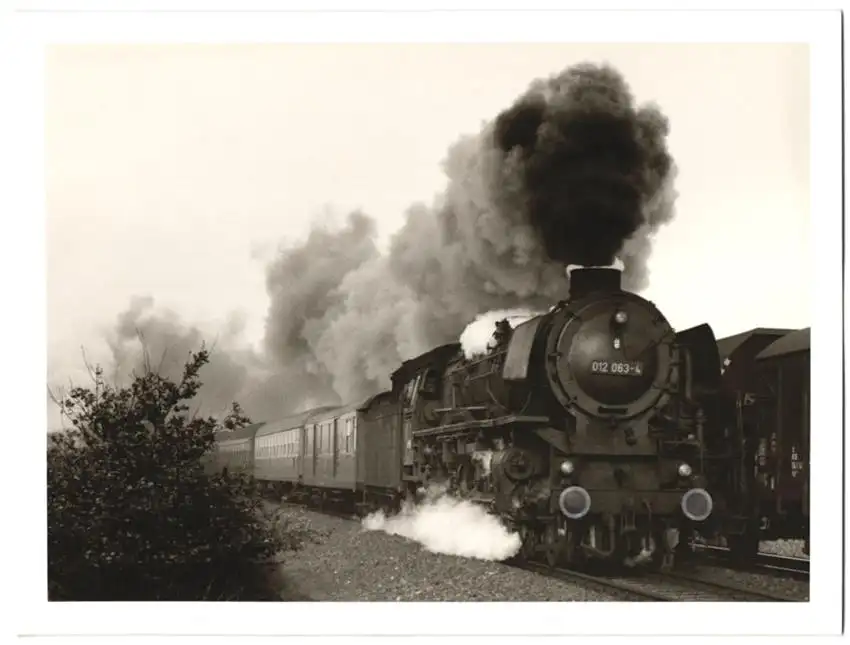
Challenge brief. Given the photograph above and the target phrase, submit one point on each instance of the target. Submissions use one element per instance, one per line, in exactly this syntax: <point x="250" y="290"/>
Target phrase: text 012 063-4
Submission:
<point x="617" y="368"/>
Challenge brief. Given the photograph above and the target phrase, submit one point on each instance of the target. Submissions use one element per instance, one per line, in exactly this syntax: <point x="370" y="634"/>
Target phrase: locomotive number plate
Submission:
<point x="617" y="368"/>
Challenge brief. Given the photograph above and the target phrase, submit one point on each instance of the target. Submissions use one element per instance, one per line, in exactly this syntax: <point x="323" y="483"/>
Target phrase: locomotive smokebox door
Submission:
<point x="610" y="356"/>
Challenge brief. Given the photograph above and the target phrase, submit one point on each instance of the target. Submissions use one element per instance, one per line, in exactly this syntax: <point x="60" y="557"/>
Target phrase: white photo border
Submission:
<point x="23" y="38"/>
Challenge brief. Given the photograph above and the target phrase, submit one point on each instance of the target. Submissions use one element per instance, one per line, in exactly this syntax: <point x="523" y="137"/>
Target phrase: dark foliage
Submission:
<point x="132" y="513"/>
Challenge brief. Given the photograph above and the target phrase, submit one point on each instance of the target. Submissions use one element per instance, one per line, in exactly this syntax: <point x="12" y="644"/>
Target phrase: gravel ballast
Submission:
<point x="348" y="563"/>
<point x="788" y="548"/>
<point x="787" y="587"/>
<point x="345" y="562"/>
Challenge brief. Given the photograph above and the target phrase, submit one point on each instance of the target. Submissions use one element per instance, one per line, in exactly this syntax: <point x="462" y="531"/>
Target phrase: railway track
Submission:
<point x="779" y="565"/>
<point x="671" y="587"/>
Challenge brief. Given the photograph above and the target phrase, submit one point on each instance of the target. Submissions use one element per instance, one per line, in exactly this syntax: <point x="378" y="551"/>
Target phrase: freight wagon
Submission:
<point x="766" y="383"/>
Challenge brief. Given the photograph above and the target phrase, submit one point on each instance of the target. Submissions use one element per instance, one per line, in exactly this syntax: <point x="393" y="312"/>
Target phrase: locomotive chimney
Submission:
<point x="587" y="280"/>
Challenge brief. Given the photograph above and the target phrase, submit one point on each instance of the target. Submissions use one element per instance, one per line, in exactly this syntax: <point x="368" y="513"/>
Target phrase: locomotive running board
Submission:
<point x="477" y="425"/>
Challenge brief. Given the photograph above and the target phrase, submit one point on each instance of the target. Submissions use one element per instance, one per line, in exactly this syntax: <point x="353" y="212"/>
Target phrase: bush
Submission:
<point x="132" y="515"/>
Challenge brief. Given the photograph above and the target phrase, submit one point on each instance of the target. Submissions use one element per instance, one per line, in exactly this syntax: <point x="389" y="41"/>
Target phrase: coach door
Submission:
<point x="307" y="452"/>
<point x="335" y="446"/>
<point x="302" y="440"/>
<point x="317" y="446"/>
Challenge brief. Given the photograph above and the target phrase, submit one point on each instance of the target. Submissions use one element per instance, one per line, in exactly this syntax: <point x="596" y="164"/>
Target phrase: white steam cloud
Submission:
<point x="450" y="526"/>
<point x="479" y="333"/>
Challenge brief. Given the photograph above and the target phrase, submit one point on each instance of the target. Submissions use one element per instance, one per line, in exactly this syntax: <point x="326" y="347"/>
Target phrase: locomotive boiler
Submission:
<point x="587" y="429"/>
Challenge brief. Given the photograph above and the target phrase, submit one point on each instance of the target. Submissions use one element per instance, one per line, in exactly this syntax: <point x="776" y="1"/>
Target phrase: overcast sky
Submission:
<point x="174" y="171"/>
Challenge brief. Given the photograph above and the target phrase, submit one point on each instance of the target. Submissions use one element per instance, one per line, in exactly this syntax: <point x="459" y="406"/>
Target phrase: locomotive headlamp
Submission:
<point x="697" y="504"/>
<point x="567" y="467"/>
<point x="574" y="502"/>
<point x="621" y="317"/>
<point x="685" y="470"/>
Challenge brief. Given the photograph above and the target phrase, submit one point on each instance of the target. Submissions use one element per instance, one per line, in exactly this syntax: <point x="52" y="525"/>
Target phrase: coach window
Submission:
<point x="414" y="391"/>
<point x="429" y="386"/>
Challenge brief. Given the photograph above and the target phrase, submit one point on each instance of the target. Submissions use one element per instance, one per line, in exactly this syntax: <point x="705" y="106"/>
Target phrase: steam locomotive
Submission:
<point x="587" y="429"/>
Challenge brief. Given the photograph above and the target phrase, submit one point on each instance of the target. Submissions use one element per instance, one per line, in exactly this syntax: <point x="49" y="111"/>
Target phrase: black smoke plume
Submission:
<point x="592" y="167"/>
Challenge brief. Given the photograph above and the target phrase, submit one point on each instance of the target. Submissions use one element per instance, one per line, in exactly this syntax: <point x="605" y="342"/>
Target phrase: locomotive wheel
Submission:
<point x="529" y="542"/>
<point x="663" y="558"/>
<point x="685" y="548"/>
<point x="464" y="478"/>
<point x="552" y="544"/>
